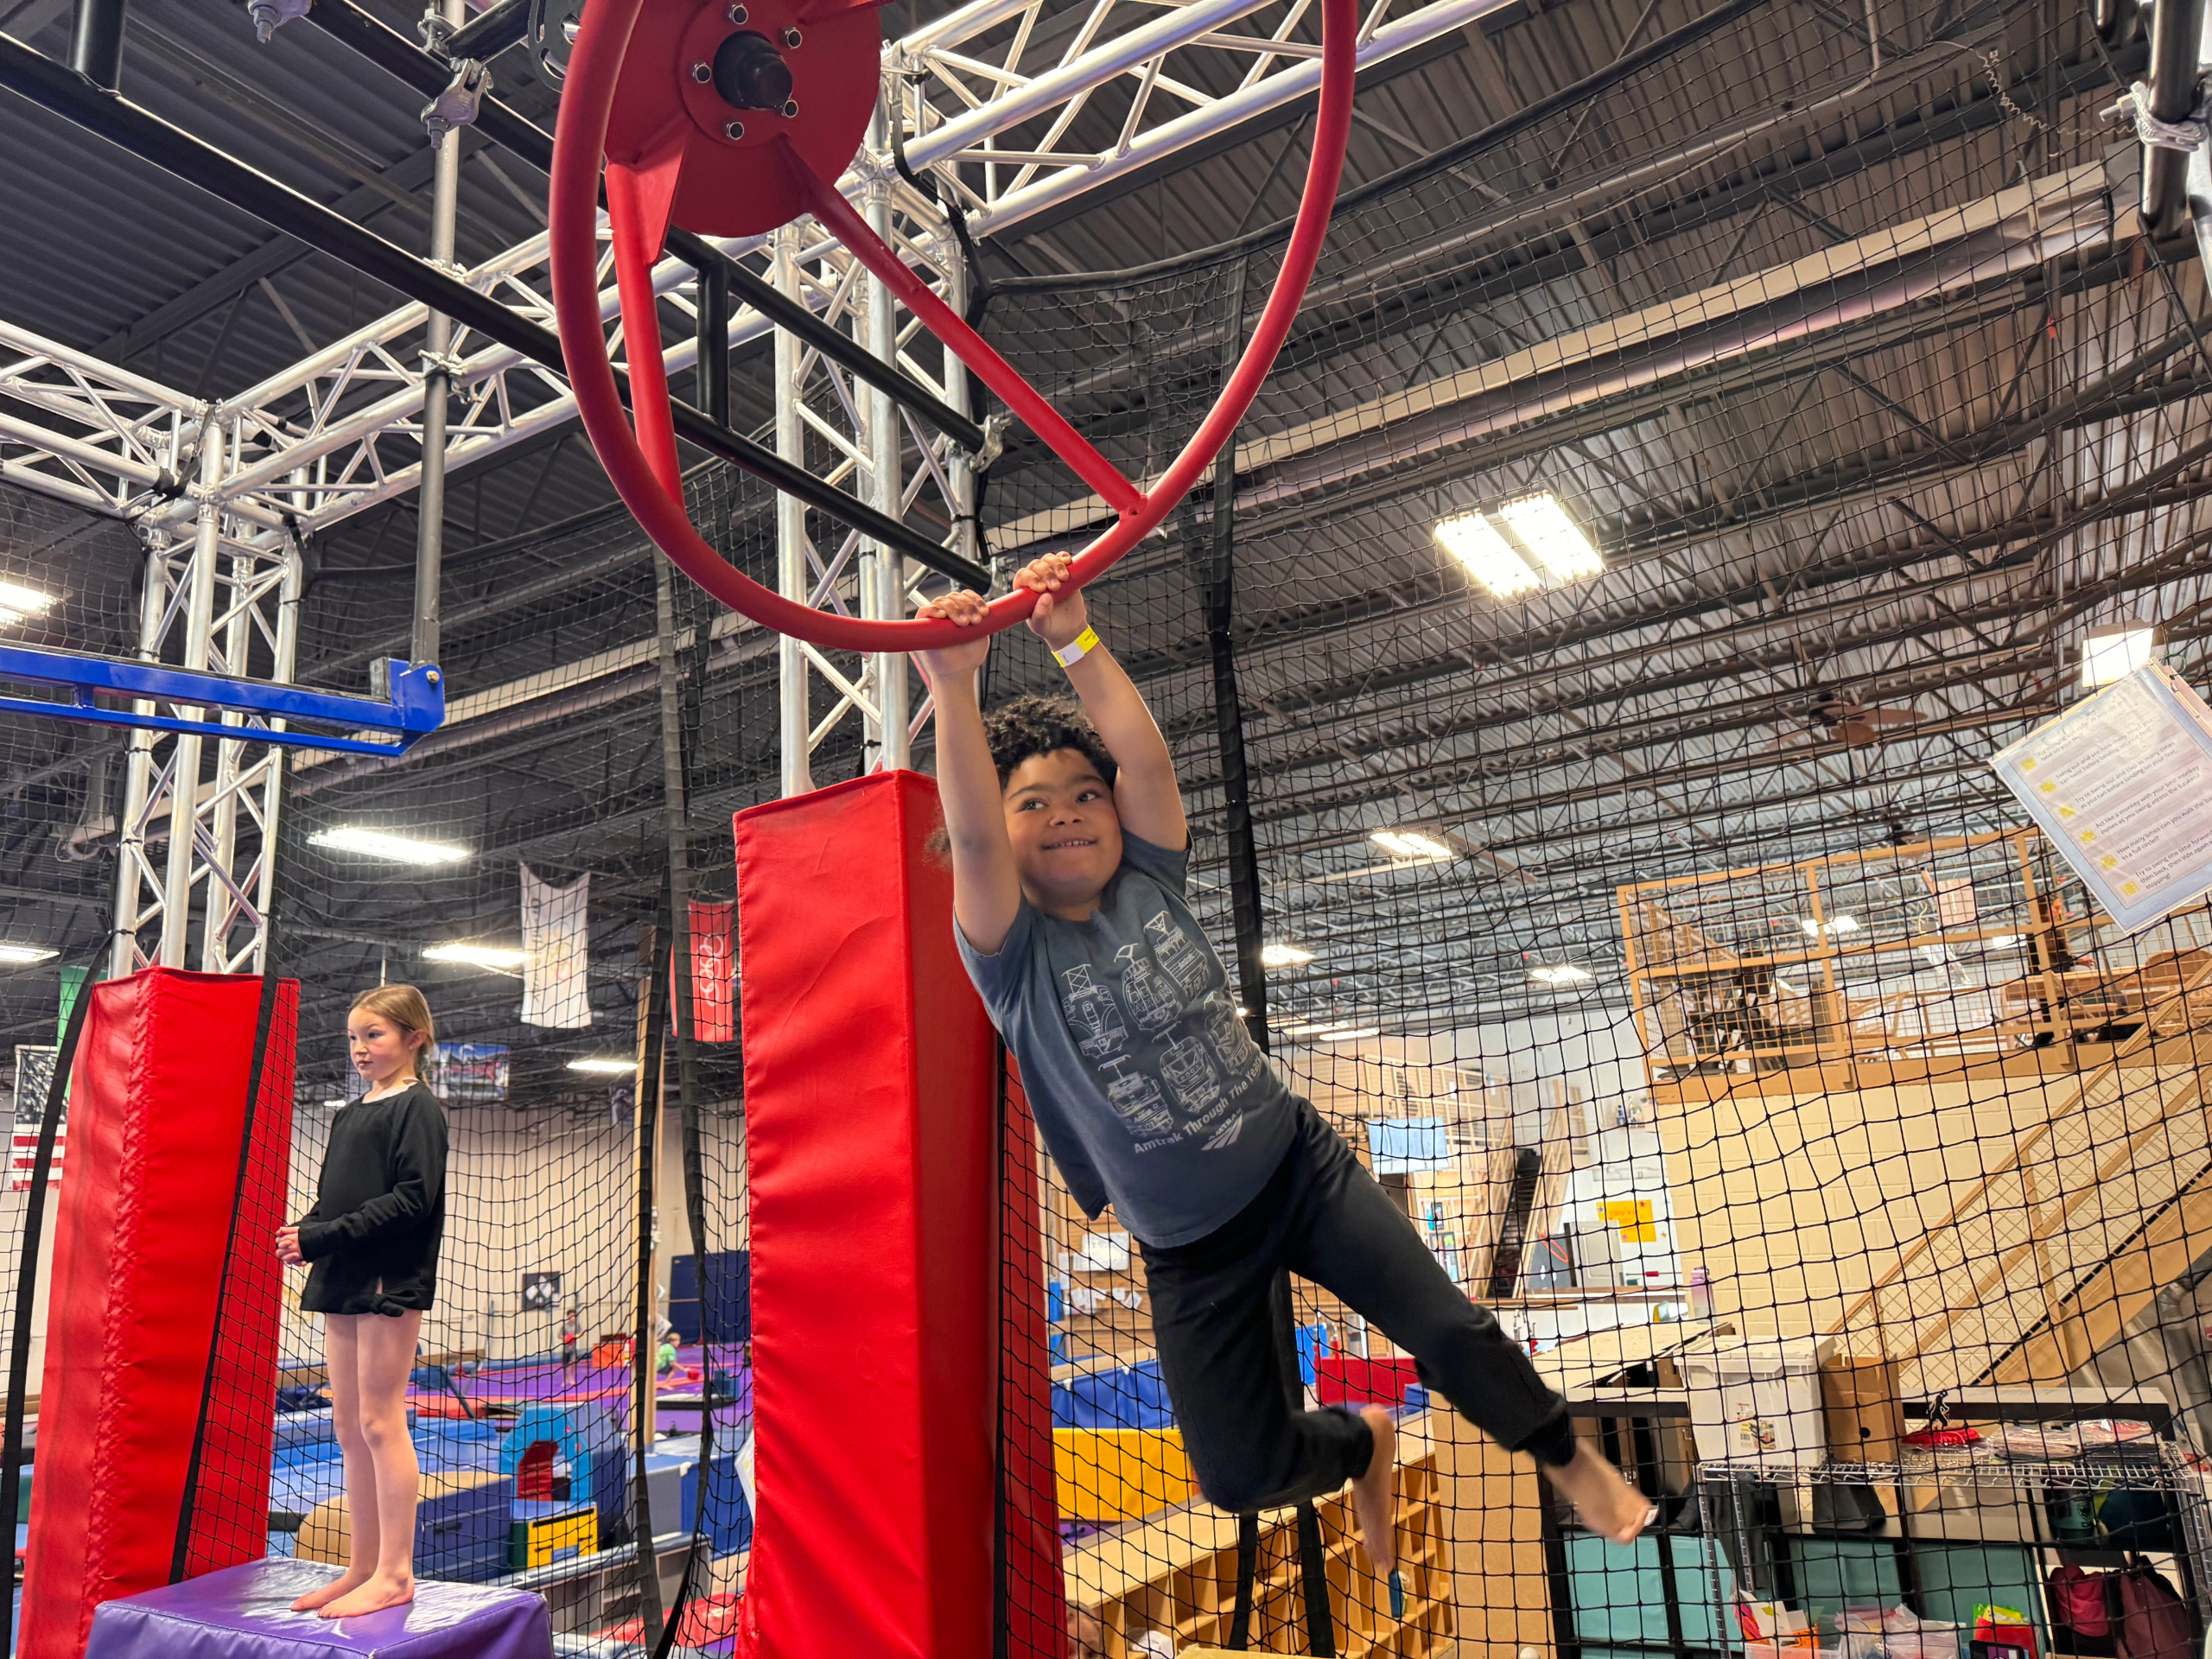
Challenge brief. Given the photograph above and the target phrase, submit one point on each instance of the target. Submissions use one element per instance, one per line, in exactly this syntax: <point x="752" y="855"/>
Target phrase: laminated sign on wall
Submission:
<point x="2122" y="784"/>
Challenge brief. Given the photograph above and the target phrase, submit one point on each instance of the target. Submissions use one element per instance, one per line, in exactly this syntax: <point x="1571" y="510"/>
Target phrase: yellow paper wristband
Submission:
<point x="1077" y="649"/>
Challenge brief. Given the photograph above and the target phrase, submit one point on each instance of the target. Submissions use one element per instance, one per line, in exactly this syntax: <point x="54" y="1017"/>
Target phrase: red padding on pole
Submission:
<point x="872" y="1203"/>
<point x="143" y="1250"/>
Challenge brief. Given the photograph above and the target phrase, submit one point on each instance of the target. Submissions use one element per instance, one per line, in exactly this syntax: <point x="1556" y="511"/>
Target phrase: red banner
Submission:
<point x="714" y="972"/>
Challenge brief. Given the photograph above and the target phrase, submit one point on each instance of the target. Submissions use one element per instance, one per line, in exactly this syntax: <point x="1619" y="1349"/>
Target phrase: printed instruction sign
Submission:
<point x="2122" y="784"/>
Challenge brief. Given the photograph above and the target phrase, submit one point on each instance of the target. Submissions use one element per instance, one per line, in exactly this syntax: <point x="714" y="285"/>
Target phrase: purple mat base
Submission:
<point x="244" y="1613"/>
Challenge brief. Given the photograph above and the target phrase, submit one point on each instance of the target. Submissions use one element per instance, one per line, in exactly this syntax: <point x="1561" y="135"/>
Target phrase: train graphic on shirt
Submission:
<point x="1204" y="1059"/>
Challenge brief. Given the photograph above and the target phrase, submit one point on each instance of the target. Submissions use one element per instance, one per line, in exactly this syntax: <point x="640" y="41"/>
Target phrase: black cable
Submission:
<point x="999" y="1632"/>
<point x="19" y="1340"/>
<point x="642" y="1338"/>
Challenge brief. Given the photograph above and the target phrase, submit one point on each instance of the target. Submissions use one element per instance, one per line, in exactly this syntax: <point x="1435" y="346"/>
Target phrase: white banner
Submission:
<point x="557" y="953"/>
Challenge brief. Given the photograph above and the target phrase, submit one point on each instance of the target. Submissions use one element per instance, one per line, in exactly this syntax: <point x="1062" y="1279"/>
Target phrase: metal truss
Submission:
<point x="823" y="413"/>
<point x="225" y="599"/>
<point x="1006" y="67"/>
<point x="343" y="430"/>
<point x="351" y="414"/>
<point x="85" y="431"/>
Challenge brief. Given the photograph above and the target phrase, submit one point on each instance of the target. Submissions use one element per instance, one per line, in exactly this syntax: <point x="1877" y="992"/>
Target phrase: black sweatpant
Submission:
<point x="1221" y="1316"/>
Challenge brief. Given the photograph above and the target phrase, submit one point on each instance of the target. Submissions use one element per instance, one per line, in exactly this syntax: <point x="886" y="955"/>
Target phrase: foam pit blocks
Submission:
<point x="874" y="1209"/>
<point x="144" y="1254"/>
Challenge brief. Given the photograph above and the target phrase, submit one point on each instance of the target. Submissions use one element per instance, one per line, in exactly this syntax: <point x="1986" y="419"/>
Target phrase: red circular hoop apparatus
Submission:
<point x="667" y="157"/>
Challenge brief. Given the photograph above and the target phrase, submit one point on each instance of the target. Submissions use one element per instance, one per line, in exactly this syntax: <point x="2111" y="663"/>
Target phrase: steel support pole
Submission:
<point x="883" y="588"/>
<point x="138" y="774"/>
<point x="437" y="389"/>
<point x="184" y="758"/>
<point x="289" y="593"/>
<point x="96" y="40"/>
<point x="222" y="828"/>
<point x="794" y="721"/>
<point x="960" y="464"/>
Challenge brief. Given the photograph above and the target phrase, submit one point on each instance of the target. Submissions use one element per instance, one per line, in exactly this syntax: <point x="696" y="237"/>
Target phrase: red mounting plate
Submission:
<point x="664" y="115"/>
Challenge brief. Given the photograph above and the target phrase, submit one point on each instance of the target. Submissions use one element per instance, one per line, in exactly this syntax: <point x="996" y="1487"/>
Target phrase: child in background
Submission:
<point x="373" y="1237"/>
<point x="1070" y="852"/>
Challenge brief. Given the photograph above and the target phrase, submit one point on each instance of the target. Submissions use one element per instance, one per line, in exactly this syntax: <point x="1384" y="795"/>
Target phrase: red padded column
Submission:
<point x="874" y="1210"/>
<point x="143" y="1253"/>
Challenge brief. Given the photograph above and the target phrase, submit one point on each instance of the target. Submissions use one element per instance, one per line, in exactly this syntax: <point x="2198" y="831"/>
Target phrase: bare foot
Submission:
<point x="378" y="1594"/>
<point x="1609" y="1506"/>
<point x="350" y="1581"/>
<point x="1374" y="1495"/>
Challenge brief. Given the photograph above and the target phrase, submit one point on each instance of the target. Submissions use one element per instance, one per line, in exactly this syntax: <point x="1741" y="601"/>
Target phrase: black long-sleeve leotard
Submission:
<point x="380" y="1208"/>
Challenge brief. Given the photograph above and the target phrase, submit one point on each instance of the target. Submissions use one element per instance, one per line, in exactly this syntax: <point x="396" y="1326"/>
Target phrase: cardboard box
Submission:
<point x="1859" y="1397"/>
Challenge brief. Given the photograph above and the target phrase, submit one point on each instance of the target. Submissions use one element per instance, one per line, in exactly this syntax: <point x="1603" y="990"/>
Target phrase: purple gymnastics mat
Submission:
<point x="244" y="1613"/>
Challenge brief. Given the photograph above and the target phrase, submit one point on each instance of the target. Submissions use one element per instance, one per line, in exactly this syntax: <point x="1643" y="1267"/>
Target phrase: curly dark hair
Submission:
<point x="1028" y="726"/>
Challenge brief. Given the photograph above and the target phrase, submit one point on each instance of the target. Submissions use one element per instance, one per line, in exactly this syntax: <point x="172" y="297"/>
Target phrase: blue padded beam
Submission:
<point x="414" y="707"/>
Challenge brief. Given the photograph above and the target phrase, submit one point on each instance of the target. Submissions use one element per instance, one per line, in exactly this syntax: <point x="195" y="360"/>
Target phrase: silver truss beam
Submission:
<point x="352" y="413"/>
<point x="225" y="600"/>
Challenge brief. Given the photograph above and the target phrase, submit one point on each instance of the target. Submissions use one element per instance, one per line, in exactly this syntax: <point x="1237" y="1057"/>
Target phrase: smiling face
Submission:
<point x="382" y="1049"/>
<point x="1066" y="834"/>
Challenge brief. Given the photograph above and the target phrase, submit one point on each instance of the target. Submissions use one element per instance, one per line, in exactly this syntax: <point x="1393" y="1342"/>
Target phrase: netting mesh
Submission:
<point x="1661" y="941"/>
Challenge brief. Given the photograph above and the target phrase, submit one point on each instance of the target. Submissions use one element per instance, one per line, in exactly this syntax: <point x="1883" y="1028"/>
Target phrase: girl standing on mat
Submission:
<point x="373" y="1235"/>
<point x="1069" y="862"/>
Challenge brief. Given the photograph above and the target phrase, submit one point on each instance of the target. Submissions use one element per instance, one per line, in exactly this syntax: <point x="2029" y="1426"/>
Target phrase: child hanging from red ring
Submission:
<point x="1070" y="851"/>
<point x="372" y="1238"/>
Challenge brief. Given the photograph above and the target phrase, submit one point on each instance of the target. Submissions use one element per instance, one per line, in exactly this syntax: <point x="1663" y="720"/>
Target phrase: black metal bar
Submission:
<point x="710" y="379"/>
<point x="19" y="1343"/>
<point x="2176" y="33"/>
<point x="96" y="40"/>
<point x="489" y="33"/>
<point x="843" y="350"/>
<point x="396" y="54"/>
<point x="53" y="87"/>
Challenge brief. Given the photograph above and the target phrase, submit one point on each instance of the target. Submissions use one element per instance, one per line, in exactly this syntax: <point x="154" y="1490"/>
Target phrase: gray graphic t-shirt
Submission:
<point x="1147" y="1087"/>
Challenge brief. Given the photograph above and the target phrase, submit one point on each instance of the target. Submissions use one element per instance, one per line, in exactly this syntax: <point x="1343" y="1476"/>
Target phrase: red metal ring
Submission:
<point x="579" y="136"/>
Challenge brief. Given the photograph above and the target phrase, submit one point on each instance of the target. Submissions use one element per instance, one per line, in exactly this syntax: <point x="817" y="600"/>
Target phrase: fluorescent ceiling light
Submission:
<point x="2108" y="654"/>
<point x="495" y="956"/>
<point x="1410" y="844"/>
<point x="21" y="956"/>
<point x="1543" y="525"/>
<point x="376" y="843"/>
<point x="1319" y="1028"/>
<point x="1845" y="924"/>
<point x="18" y="601"/>
<point x="1351" y="1036"/>
<point x="602" y="1065"/>
<point x="1284" y="956"/>
<point x="2002" y="941"/>
<point x="1490" y="558"/>
<point x="1563" y="973"/>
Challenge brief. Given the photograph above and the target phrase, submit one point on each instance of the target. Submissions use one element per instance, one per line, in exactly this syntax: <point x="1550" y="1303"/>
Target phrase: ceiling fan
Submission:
<point x="1849" y="722"/>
